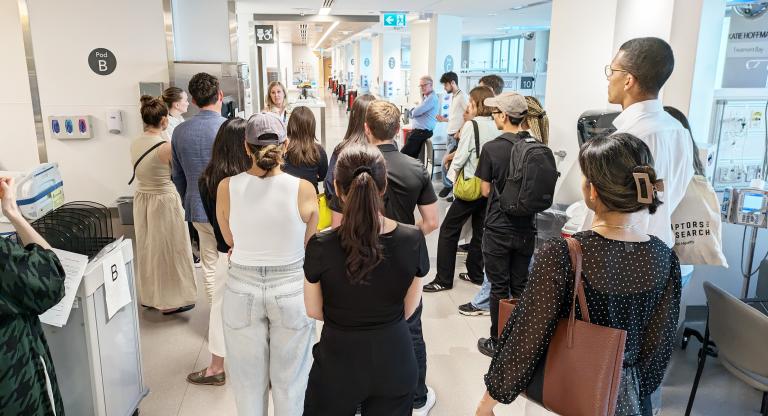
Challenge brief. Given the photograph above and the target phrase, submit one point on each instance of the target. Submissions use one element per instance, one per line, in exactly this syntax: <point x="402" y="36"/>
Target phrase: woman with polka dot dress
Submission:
<point x="631" y="280"/>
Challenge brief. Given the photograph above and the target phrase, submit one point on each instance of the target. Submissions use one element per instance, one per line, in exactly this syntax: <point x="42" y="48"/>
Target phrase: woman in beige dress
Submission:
<point x="166" y="279"/>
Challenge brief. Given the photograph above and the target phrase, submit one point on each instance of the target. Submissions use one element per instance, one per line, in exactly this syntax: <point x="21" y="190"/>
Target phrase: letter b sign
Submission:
<point x="102" y="61"/>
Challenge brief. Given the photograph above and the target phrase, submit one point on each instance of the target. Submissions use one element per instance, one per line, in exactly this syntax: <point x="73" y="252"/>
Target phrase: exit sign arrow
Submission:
<point x="388" y="19"/>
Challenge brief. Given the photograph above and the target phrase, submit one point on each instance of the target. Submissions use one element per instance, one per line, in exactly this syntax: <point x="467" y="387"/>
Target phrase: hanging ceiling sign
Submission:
<point x="746" y="57"/>
<point x="393" y="19"/>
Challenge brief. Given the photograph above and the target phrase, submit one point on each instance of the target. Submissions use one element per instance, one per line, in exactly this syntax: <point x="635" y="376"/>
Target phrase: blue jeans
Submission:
<point x="450" y="146"/>
<point x="482" y="299"/>
<point x="268" y="337"/>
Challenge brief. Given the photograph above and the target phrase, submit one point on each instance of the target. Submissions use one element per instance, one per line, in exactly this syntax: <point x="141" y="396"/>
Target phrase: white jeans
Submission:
<point x="209" y="256"/>
<point x="269" y="338"/>
<point x="215" y="324"/>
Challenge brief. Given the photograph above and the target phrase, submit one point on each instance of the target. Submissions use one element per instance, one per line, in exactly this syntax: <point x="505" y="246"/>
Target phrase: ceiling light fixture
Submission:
<point x="493" y="14"/>
<point x="324" y="11"/>
<point x="325" y="35"/>
<point x="525" y="6"/>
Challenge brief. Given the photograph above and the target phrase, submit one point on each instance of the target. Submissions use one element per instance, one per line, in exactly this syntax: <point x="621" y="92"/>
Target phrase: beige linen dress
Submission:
<point x="166" y="277"/>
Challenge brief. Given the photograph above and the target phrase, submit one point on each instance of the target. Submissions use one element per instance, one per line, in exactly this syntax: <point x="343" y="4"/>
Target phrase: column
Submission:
<point x="390" y="64"/>
<point x="435" y="49"/>
<point x="365" y="68"/>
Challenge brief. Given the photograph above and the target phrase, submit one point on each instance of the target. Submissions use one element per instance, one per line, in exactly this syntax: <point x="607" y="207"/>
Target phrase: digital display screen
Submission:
<point x="752" y="203"/>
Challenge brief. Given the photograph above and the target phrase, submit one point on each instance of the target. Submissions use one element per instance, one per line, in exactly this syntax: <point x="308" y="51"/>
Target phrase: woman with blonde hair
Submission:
<point x="276" y="100"/>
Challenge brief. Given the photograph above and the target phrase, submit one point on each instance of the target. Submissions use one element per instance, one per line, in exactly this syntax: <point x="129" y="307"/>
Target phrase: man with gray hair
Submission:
<point x="423" y="117"/>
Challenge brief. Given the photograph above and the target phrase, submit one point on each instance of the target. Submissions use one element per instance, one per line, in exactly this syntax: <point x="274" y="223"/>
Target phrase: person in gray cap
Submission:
<point x="267" y="216"/>
<point x="508" y="241"/>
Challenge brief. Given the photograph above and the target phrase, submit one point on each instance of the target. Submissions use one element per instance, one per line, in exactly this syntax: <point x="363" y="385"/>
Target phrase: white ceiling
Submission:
<point x="492" y="18"/>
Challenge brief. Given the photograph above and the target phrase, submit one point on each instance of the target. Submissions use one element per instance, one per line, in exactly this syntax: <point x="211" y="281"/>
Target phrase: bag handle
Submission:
<point x="477" y="138"/>
<point x="574" y="250"/>
<point x="135" y="165"/>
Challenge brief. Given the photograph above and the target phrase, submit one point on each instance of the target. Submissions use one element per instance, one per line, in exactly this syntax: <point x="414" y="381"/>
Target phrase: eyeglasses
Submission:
<point x="497" y="112"/>
<point x="424" y="85"/>
<point x="609" y="71"/>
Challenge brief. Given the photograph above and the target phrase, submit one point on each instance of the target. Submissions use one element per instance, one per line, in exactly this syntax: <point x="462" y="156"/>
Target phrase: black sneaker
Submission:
<point x="196" y="260"/>
<point x="435" y="287"/>
<point x="449" y="199"/>
<point x="469" y="309"/>
<point x="487" y="346"/>
<point x="444" y="192"/>
<point x="465" y="277"/>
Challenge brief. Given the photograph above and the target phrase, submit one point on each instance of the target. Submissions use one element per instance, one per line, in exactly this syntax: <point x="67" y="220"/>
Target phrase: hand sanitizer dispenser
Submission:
<point x="115" y="121"/>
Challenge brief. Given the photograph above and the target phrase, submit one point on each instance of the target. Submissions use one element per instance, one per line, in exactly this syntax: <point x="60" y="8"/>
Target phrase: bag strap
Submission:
<point x="135" y="165"/>
<point x="574" y="250"/>
<point x="477" y="138"/>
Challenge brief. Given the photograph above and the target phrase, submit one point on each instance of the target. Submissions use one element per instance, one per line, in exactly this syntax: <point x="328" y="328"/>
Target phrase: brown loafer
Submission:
<point x="199" y="378"/>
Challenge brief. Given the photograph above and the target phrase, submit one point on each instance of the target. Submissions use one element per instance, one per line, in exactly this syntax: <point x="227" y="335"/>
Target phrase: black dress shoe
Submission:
<point x="444" y="192"/>
<point x="487" y="346"/>
<point x="435" y="287"/>
<point x="180" y="310"/>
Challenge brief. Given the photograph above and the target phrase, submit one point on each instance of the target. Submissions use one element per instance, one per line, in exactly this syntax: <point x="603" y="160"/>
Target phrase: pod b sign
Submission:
<point x="102" y="61"/>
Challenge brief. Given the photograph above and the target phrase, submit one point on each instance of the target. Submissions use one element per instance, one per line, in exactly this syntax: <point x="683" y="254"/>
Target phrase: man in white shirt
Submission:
<point x="635" y="77"/>
<point x="455" y="120"/>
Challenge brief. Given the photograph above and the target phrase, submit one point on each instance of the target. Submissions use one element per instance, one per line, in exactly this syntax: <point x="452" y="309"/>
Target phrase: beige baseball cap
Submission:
<point x="264" y="129"/>
<point x="511" y="103"/>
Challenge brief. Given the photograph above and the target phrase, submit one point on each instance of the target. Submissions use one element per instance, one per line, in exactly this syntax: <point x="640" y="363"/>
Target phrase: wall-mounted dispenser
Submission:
<point x="70" y="127"/>
<point x="115" y="121"/>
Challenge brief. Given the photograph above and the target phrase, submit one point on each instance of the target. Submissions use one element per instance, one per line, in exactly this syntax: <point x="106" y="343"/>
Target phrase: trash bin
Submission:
<point x="125" y="209"/>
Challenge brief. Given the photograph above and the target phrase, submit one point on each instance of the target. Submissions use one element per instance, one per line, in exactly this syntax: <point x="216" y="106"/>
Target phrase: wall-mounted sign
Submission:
<point x="448" y="63"/>
<point x="526" y="83"/>
<point x="102" y="61"/>
<point x="265" y="34"/>
<point x="393" y="19"/>
<point x="352" y="61"/>
<point x="367" y="62"/>
<point x="392" y="63"/>
<point x="746" y="57"/>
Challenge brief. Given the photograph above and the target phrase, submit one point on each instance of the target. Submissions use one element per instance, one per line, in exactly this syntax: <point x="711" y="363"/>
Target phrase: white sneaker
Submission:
<point x="431" y="399"/>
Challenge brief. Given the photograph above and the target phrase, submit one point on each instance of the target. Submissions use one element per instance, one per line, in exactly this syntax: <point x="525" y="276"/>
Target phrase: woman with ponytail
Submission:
<point x="266" y="216"/>
<point x="631" y="281"/>
<point x="363" y="281"/>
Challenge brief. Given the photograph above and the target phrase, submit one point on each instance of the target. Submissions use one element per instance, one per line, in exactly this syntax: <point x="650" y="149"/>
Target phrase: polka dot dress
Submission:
<point x="630" y="286"/>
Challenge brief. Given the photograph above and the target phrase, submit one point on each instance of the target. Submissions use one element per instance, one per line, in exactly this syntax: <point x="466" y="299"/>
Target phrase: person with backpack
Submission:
<point x="518" y="175"/>
<point x="469" y="203"/>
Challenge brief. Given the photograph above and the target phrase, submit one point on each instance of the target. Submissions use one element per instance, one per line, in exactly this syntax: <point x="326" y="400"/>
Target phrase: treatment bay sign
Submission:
<point x="746" y="57"/>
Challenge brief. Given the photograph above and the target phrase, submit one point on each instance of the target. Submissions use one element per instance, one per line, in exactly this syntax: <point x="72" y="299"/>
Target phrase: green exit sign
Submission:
<point x="393" y="19"/>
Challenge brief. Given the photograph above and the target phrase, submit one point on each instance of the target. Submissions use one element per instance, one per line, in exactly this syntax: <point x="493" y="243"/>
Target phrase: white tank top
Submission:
<point x="264" y="217"/>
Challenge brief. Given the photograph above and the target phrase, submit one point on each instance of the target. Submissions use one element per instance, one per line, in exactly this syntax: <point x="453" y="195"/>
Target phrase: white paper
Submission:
<point x="74" y="268"/>
<point x="116" y="289"/>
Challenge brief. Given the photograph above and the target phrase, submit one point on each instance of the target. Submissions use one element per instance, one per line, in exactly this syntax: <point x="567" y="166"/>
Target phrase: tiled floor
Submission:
<point x="175" y="346"/>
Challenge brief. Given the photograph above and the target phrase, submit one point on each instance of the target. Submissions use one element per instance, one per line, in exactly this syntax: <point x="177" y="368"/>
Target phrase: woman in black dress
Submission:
<point x="304" y="158"/>
<point x="631" y="280"/>
<point x="363" y="280"/>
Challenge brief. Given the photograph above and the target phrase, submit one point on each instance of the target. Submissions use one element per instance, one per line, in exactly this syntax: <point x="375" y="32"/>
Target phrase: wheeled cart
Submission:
<point x="98" y="359"/>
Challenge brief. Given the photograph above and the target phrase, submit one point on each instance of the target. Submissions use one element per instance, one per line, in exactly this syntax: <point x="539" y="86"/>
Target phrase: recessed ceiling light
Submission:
<point x="324" y="11"/>
<point x="493" y="14"/>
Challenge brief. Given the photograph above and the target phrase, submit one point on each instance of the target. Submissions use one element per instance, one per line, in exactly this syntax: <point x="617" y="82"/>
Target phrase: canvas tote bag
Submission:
<point x="697" y="226"/>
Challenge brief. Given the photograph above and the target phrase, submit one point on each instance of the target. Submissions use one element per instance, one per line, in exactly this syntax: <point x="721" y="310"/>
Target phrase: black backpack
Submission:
<point x="530" y="185"/>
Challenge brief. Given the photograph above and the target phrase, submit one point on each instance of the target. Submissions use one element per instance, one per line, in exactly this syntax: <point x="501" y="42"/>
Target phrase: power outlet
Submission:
<point x="70" y="127"/>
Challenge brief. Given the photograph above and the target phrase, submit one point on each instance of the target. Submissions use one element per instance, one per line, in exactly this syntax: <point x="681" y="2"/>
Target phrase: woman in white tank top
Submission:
<point x="267" y="217"/>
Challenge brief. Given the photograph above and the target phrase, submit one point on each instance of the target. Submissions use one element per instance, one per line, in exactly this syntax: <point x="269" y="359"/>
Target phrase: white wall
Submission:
<point x="445" y="40"/>
<point x="580" y="44"/>
<point x="97" y="169"/>
<point x="200" y="27"/>
<point x="18" y="141"/>
<point x="367" y="71"/>
<point x="285" y="51"/>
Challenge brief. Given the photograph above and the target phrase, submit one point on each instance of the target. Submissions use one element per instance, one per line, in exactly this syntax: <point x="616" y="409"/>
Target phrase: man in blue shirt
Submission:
<point x="192" y="144"/>
<point x="424" y="118"/>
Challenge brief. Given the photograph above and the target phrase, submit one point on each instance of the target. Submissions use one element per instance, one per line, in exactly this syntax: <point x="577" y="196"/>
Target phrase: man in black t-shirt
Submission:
<point x="508" y="241"/>
<point x="408" y="187"/>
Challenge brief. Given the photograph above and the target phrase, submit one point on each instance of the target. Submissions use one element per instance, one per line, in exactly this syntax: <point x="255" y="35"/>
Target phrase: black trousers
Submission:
<point x="507" y="256"/>
<point x="415" y="142"/>
<point x="420" y="352"/>
<point x="450" y="232"/>
<point x="375" y="368"/>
